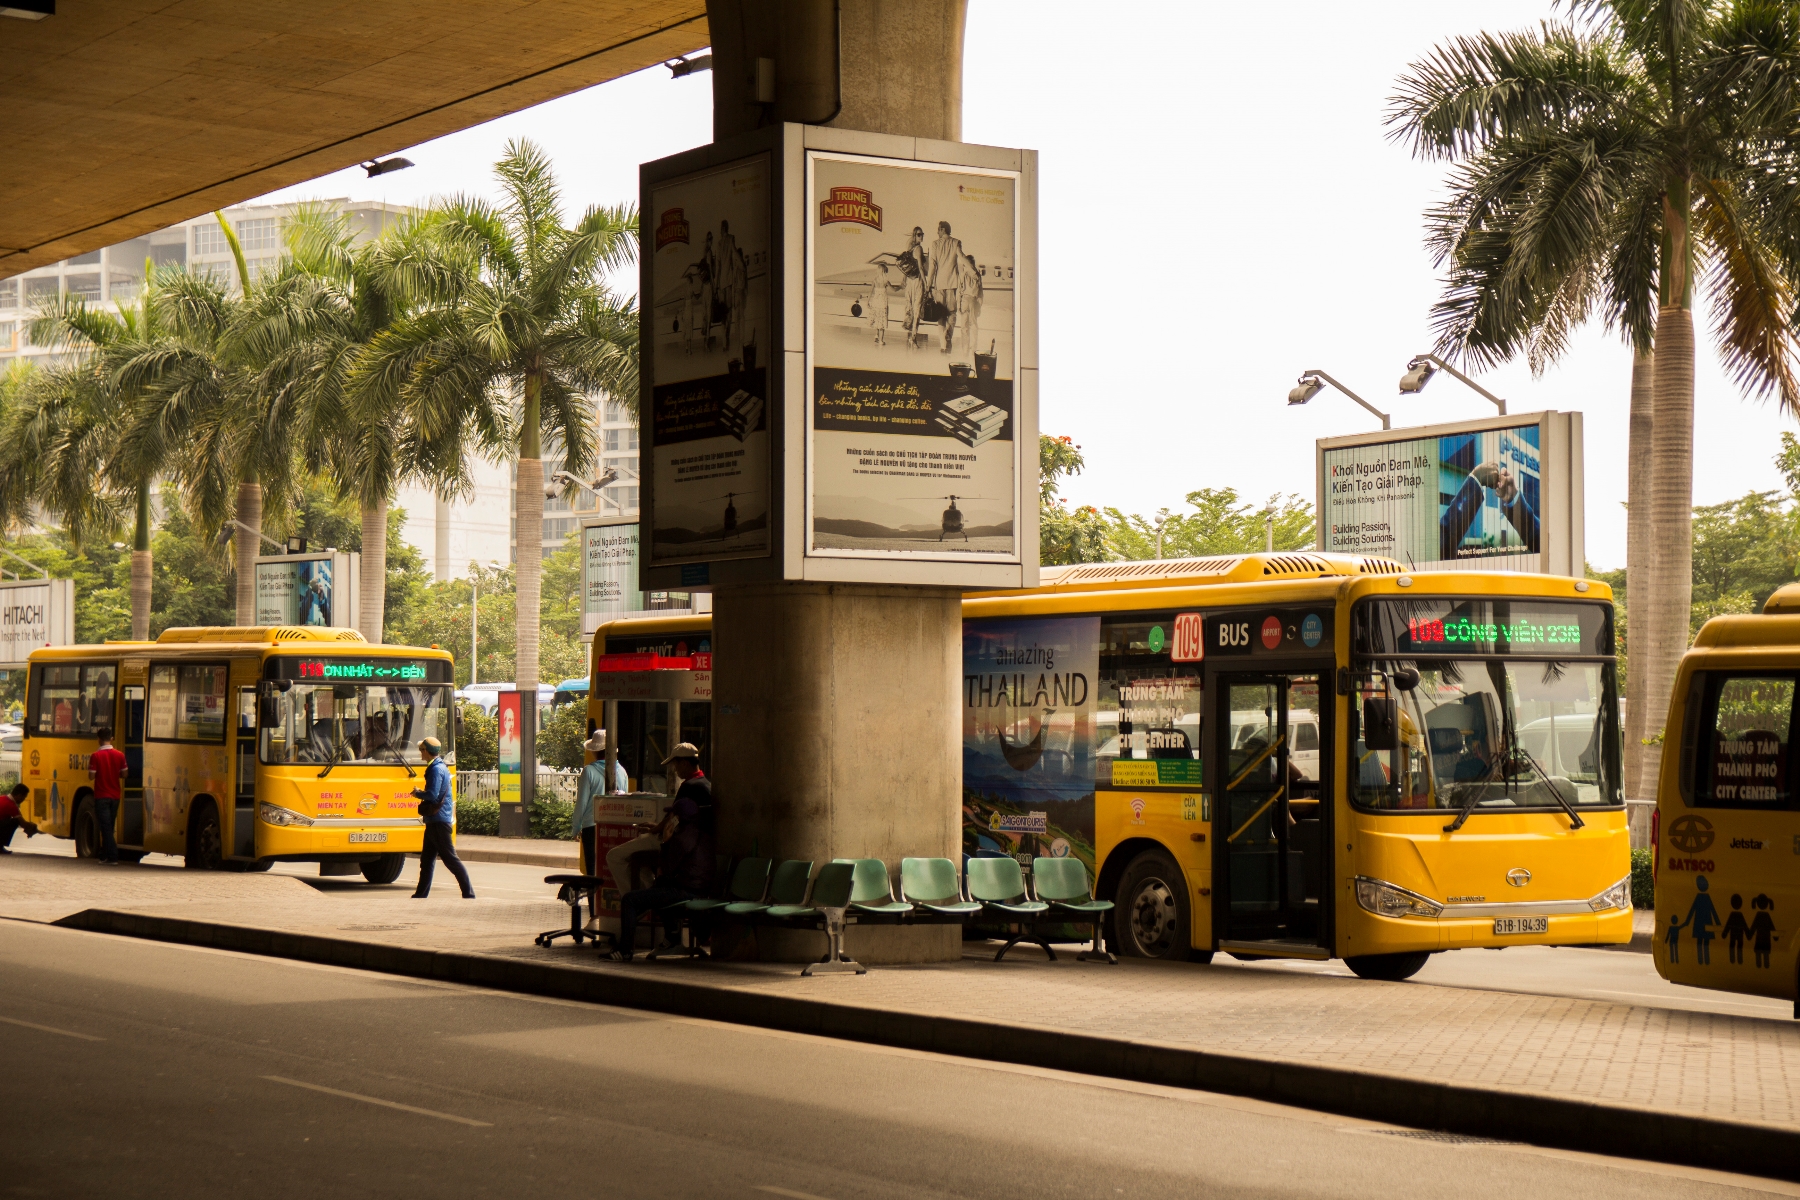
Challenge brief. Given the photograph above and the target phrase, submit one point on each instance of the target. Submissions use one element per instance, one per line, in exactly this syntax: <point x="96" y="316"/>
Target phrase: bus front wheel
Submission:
<point x="1152" y="909"/>
<point x="206" y="844"/>
<point x="1390" y="968"/>
<point x="385" y="869"/>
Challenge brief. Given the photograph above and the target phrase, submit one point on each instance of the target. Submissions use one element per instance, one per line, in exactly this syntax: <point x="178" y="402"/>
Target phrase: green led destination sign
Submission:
<point x="361" y="670"/>
<point x="1433" y="627"/>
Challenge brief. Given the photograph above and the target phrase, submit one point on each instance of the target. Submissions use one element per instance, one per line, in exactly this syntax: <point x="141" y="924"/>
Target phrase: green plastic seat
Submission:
<point x="1000" y="885"/>
<point x="748" y="883"/>
<point x="832" y="889"/>
<point x="1063" y="882"/>
<point x="788" y="886"/>
<point x="930" y="884"/>
<point x="873" y="891"/>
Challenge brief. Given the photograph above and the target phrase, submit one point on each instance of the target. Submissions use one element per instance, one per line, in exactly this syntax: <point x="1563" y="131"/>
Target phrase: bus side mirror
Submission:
<point x="1406" y="679"/>
<point x="271" y="710"/>
<point x="1380" y="724"/>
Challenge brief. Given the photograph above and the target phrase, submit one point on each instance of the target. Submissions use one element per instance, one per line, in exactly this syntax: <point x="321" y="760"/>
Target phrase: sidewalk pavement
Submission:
<point x="1665" y="1084"/>
<point x="532" y="852"/>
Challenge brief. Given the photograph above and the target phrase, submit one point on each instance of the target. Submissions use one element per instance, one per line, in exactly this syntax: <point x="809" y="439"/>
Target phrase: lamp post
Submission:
<point x="1423" y="366"/>
<point x="475" y="619"/>
<point x="1313" y="382"/>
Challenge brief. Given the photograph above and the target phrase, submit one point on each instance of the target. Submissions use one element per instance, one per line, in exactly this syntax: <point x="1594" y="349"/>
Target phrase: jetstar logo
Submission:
<point x="852" y="204"/>
<point x="671" y="227"/>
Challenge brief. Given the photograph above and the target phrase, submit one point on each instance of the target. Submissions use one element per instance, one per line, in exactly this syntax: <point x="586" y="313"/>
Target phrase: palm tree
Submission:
<point x="1603" y="163"/>
<point x="59" y="446"/>
<point x="511" y="352"/>
<point x="205" y="405"/>
<point x="312" y="326"/>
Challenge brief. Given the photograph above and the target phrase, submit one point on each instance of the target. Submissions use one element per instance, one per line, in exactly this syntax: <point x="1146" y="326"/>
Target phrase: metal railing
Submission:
<point x="485" y="785"/>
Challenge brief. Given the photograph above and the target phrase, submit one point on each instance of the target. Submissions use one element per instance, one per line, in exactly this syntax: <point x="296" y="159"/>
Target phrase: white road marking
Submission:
<point x="86" y="1037"/>
<point x="781" y="1191"/>
<point x="423" y="1112"/>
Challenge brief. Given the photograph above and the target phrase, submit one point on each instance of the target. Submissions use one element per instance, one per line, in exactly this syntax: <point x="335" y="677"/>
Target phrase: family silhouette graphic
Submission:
<point x="1703" y="914"/>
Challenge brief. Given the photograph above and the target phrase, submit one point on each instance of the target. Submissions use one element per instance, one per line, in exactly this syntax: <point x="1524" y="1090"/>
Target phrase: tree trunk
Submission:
<point x="140" y="567"/>
<point x="1670" y="586"/>
<point x="528" y="543"/>
<point x="372" y="589"/>
<point x="1637" y="568"/>
<point x="249" y="545"/>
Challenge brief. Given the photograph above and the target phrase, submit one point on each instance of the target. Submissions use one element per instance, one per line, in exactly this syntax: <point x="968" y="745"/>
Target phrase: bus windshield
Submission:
<point x="1490" y="734"/>
<point x="354" y="723"/>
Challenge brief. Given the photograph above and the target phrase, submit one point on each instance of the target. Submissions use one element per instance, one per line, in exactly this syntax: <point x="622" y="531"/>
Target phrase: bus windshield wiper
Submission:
<point x="337" y="756"/>
<point x="1575" y="821"/>
<point x="1467" y="809"/>
<point x="410" y="773"/>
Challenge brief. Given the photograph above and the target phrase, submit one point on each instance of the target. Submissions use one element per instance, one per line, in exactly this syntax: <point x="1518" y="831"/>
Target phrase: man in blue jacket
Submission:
<point x="438" y="807"/>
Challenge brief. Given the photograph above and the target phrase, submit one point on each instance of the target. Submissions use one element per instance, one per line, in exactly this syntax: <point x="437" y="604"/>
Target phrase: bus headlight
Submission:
<point x="1616" y="896"/>
<point x="274" y="814"/>
<point x="1386" y="900"/>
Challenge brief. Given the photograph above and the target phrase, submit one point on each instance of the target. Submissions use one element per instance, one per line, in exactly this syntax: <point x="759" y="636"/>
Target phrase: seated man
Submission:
<point x="1476" y="763"/>
<point x="12" y="819"/>
<point x="688" y="862"/>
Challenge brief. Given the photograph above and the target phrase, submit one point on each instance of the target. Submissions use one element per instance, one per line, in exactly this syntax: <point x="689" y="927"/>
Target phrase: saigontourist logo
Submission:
<point x="671" y="227"/>
<point x="850" y="204"/>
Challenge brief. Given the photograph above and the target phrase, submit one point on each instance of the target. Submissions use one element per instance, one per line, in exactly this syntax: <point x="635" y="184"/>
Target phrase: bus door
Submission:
<point x="131" y="810"/>
<point x="1273" y="823"/>
<point x="243" y="825"/>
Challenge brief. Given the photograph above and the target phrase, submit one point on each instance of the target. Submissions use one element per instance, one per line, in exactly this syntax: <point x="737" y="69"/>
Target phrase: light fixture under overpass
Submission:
<point x="387" y="166"/>
<point x="28" y="10"/>
<point x="1423" y="366"/>
<point x="1313" y="382"/>
<point x="689" y="66"/>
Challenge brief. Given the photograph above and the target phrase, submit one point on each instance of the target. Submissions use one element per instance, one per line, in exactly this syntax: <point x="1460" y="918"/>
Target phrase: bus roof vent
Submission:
<point x="1381" y="566"/>
<point x="1116" y="572"/>
<point x="1297" y="564"/>
<point x="255" y="633"/>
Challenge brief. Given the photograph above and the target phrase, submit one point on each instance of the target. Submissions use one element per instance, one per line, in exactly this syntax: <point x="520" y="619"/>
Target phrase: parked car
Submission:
<point x="486" y="696"/>
<point x="569" y="691"/>
<point x="12" y="748"/>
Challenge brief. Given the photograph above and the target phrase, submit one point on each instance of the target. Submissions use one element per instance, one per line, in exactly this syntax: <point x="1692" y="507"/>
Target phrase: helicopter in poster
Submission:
<point x="953" y="517"/>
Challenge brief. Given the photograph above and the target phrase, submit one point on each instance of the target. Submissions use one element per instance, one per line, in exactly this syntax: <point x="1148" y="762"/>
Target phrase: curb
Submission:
<point x="1514" y="1114"/>
<point x="526" y="858"/>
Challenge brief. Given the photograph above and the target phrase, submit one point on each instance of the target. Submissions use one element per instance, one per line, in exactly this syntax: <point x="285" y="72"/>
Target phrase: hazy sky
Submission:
<point x="1220" y="210"/>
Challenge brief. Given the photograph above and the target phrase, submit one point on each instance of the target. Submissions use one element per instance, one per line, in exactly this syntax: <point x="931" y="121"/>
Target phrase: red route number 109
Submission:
<point x="1187" y="645"/>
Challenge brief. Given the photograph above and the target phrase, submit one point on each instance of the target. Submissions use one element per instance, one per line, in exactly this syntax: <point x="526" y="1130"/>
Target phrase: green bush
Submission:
<point x="478" y="817"/>
<point x="559" y="740"/>
<point x="549" y="818"/>
<point x="1643" y="887"/>
<point x="478" y="746"/>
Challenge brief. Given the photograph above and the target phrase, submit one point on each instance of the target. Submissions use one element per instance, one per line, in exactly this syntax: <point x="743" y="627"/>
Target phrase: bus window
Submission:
<point x="73" y="700"/>
<point x="356" y="723"/>
<point x="200" y="704"/>
<point x="1744" y="753"/>
<point x="1149" y="706"/>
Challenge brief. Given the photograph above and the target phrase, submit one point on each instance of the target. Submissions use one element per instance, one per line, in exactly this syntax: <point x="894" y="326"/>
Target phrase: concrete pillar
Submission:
<point x="837" y="724"/>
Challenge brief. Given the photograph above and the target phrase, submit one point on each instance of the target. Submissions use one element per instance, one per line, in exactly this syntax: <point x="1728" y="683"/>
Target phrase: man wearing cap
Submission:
<point x="438" y="808"/>
<point x="688" y="849"/>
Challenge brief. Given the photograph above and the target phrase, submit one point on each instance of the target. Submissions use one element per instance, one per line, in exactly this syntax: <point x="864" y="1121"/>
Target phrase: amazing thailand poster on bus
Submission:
<point x="707" y="238"/>
<point x="912" y="356"/>
<point x="1029" y="692"/>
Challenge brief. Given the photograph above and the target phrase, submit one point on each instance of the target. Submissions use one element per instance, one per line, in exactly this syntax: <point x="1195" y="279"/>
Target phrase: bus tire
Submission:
<point x="132" y="856"/>
<point x="205" y="840"/>
<point x="1390" y="968"/>
<point x="1153" y="914"/>
<point x="85" y="829"/>
<point x="385" y="869"/>
<point x="260" y="865"/>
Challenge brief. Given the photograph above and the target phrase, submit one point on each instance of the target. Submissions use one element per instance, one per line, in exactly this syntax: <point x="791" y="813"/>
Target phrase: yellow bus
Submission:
<point x="1726" y="831"/>
<point x="244" y="747"/>
<point x="1296" y="755"/>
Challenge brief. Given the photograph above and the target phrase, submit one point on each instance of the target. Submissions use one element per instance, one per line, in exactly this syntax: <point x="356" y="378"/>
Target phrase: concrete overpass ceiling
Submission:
<point x="124" y="116"/>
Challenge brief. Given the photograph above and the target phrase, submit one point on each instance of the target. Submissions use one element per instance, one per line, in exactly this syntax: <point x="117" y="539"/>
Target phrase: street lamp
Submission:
<point x="475" y="618"/>
<point x="1423" y="366"/>
<point x="606" y="479"/>
<point x="26" y="561"/>
<point x="1313" y="382"/>
<point x="225" y="535"/>
<point x="386" y="166"/>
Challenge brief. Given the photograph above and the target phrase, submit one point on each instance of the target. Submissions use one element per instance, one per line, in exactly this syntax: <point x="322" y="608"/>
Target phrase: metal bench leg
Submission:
<point x="574" y="931"/>
<point x="1097" y="953"/>
<point x="836" y="961"/>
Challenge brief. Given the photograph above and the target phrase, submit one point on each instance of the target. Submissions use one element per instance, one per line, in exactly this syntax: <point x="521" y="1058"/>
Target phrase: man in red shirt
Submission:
<point x="106" y="767"/>
<point x="11" y="819"/>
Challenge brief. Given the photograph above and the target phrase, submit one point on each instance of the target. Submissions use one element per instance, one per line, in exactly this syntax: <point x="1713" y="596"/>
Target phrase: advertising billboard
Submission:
<point x="1499" y="494"/>
<point x="511" y="754"/>
<point x="912" y="360"/>
<point x="610" y="587"/>
<point x="308" y="589"/>
<point x="708" y="241"/>
<point x="34" y="614"/>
